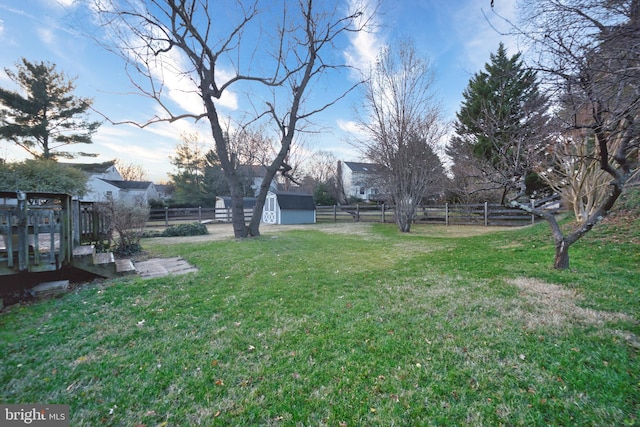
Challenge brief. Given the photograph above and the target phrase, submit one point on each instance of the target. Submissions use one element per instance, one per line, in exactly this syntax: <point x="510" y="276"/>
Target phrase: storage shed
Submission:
<point x="289" y="208"/>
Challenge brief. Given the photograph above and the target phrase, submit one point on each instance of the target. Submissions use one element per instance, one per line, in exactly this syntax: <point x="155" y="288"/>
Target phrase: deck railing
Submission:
<point x="36" y="231"/>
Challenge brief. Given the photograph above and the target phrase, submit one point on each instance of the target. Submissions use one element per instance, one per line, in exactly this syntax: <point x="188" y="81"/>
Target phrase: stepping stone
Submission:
<point x="50" y="288"/>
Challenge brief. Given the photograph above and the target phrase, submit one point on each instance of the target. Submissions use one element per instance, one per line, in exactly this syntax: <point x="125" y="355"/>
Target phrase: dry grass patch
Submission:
<point x="555" y="306"/>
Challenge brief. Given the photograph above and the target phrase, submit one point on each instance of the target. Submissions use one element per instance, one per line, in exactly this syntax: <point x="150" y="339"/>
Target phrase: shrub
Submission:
<point x="192" y="229"/>
<point x="125" y="221"/>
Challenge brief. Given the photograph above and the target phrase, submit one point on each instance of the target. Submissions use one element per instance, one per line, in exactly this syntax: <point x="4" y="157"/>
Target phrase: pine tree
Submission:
<point x="48" y="117"/>
<point x="502" y="121"/>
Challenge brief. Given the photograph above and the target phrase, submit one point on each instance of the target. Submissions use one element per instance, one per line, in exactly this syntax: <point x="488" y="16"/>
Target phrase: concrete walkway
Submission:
<point x="159" y="267"/>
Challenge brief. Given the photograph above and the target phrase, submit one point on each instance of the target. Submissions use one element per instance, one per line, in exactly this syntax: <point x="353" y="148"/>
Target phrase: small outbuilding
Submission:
<point x="289" y="208"/>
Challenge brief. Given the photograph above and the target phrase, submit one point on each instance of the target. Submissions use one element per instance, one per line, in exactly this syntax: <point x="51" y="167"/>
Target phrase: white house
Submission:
<point x="143" y="191"/>
<point x="358" y="180"/>
<point x="256" y="173"/>
<point x="289" y="208"/>
<point x="105" y="181"/>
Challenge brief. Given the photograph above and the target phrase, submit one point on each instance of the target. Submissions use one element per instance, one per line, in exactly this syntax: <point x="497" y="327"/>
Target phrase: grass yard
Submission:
<point x="444" y="326"/>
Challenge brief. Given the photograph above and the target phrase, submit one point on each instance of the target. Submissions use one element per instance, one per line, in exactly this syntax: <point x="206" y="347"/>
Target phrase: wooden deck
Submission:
<point x="47" y="231"/>
<point x="35" y="230"/>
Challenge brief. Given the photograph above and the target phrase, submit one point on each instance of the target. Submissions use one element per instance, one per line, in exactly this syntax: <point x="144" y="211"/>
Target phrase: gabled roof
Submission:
<point x="362" y="167"/>
<point x="92" y="168"/>
<point x="129" y="185"/>
<point x="296" y="201"/>
<point x="248" y="202"/>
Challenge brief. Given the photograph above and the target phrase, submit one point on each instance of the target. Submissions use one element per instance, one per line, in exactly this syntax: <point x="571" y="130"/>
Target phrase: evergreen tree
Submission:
<point x="190" y="162"/>
<point x="502" y="122"/>
<point x="49" y="116"/>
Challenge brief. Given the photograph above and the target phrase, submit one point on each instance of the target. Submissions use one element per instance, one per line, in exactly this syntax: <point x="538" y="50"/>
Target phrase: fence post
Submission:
<point x="200" y="213"/>
<point x="358" y="212"/>
<point x="335" y="213"/>
<point x="166" y="216"/>
<point x="533" y="206"/>
<point x="446" y="214"/>
<point x="486" y="214"/>
<point x="383" y="213"/>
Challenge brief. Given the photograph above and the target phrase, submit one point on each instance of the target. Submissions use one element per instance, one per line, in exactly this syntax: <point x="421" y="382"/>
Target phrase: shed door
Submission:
<point x="269" y="211"/>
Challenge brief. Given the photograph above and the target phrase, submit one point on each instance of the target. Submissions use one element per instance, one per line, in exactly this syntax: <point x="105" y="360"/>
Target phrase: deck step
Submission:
<point x="84" y="250"/>
<point x="103" y="258"/>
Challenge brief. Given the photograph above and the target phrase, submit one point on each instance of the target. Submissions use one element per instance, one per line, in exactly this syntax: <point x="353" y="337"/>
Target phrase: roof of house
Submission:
<point x="92" y="168"/>
<point x="361" y="167"/>
<point x="129" y="185"/>
<point x="296" y="201"/>
<point x="248" y="202"/>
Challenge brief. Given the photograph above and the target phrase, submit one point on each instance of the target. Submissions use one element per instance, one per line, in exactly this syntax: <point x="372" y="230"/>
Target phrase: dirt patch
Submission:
<point x="554" y="305"/>
<point x="225" y="231"/>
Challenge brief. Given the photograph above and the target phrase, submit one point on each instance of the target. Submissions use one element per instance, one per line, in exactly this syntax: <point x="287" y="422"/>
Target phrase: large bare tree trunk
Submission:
<point x="183" y="38"/>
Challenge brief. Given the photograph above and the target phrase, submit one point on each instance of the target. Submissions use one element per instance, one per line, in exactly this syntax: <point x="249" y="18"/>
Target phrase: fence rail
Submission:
<point x="449" y="214"/>
<point x="168" y="216"/>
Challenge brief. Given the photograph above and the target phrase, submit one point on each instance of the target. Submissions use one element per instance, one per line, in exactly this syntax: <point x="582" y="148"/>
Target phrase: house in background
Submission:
<point x="358" y="180"/>
<point x="289" y="208"/>
<point x="255" y="174"/>
<point x="105" y="181"/>
<point x="165" y="191"/>
<point x="132" y="191"/>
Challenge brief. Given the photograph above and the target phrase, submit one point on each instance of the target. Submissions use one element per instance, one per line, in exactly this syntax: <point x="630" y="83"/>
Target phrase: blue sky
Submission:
<point x="453" y="34"/>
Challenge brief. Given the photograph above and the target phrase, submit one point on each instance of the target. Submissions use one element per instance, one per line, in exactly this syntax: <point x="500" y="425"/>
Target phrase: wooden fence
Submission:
<point x="448" y="214"/>
<point x="169" y="216"/>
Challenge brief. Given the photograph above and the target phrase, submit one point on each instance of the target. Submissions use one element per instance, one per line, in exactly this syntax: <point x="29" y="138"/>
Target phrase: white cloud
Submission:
<point x="366" y="44"/>
<point x="349" y="126"/>
<point x="47" y="36"/>
<point x="170" y="71"/>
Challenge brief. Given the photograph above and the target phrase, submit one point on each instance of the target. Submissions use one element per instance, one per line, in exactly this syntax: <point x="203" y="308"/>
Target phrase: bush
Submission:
<point x="192" y="229"/>
<point x="125" y="221"/>
<point x="128" y="250"/>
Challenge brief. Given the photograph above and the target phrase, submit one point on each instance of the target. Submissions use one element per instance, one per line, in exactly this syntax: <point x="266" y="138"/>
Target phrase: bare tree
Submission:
<point x="573" y="171"/>
<point x="403" y="128"/>
<point x="237" y="45"/>
<point x="131" y="171"/>
<point x="589" y="51"/>
<point x="321" y="166"/>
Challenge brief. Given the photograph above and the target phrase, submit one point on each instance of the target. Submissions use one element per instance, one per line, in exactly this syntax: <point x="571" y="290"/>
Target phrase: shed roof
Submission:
<point x="296" y="201"/>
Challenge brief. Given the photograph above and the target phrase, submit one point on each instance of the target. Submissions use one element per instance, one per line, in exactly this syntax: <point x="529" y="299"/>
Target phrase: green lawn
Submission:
<point x="374" y="328"/>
